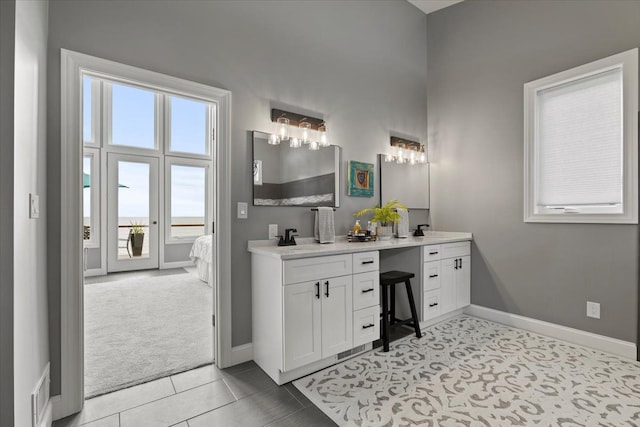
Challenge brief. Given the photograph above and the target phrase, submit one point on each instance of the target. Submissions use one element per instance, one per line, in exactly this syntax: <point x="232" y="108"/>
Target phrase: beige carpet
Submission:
<point x="140" y="329"/>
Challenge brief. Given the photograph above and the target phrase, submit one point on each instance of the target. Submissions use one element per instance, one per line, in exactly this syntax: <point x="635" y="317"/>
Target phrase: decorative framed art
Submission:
<point x="360" y="179"/>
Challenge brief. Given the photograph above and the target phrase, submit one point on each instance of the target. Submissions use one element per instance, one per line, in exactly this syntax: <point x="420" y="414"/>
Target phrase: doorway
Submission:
<point x="69" y="362"/>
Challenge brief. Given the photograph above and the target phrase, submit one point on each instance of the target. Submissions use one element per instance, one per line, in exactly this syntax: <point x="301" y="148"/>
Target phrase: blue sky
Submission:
<point x="133" y="124"/>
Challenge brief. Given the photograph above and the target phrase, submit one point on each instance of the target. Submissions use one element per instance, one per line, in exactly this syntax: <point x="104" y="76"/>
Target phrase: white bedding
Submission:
<point x="202" y="255"/>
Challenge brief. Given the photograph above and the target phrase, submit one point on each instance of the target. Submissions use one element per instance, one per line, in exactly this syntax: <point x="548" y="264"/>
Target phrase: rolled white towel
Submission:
<point x="403" y="225"/>
<point x="324" y="228"/>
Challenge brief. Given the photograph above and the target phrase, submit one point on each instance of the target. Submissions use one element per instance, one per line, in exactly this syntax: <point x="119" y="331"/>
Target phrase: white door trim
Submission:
<point x="73" y="64"/>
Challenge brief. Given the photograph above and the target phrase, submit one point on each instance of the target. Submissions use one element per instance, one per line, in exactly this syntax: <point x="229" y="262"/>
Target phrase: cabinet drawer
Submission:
<point x="431" y="278"/>
<point x="366" y="325"/>
<point x="452" y="250"/>
<point x="365" y="261"/>
<point x="366" y="288"/>
<point x="302" y="270"/>
<point x="431" y="253"/>
<point x="431" y="306"/>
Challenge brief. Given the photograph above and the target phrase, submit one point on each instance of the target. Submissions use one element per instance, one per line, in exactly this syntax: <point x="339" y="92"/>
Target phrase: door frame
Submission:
<point x="73" y="65"/>
<point x="113" y="203"/>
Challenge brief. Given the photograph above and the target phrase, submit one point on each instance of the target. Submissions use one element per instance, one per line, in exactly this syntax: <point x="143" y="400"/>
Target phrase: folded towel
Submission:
<point x="324" y="229"/>
<point x="402" y="227"/>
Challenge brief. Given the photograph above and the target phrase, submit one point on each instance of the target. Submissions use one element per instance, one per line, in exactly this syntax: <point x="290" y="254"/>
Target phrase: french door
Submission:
<point x="132" y="217"/>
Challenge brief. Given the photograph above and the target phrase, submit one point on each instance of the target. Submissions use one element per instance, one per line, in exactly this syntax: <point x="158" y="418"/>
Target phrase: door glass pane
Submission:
<point x="133" y="117"/>
<point x="187" y="201"/>
<point x="87" y="110"/>
<point x="188" y="126"/>
<point x="86" y="197"/>
<point x="133" y="210"/>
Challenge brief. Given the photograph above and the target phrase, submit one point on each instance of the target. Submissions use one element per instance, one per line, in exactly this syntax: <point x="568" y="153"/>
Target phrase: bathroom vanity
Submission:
<point x="314" y="304"/>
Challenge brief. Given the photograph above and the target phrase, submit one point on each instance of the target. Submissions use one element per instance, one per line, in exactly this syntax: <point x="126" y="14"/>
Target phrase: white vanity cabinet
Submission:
<point x="317" y="320"/>
<point x="446" y="278"/>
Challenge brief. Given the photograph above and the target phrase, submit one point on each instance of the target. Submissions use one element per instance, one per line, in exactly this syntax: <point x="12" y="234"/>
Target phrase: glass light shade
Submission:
<point x="323" y="140"/>
<point x="389" y="158"/>
<point x="313" y="145"/>
<point x="283" y="128"/>
<point x="274" y="139"/>
<point x="412" y="156"/>
<point x="422" y="158"/>
<point x="294" y="142"/>
<point x="400" y="156"/>
<point x="305" y="132"/>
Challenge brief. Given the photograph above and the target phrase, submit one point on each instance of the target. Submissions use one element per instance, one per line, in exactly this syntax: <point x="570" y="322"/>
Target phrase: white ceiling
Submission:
<point x="428" y="6"/>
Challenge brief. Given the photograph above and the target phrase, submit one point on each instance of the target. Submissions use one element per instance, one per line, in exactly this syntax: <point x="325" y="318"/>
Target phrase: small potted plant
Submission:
<point x="136" y="236"/>
<point x="384" y="216"/>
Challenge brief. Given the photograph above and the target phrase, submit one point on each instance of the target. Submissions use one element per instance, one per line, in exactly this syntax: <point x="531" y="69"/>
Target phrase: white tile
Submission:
<point x="195" y="377"/>
<point x="179" y="407"/>
<point x="111" y="421"/>
<point x="118" y="401"/>
<point x="182" y="424"/>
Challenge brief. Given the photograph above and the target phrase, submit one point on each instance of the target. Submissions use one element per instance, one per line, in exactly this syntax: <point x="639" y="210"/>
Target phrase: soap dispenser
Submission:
<point x="357" y="228"/>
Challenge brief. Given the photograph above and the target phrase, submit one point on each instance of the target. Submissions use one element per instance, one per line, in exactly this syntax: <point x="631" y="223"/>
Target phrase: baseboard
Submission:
<point x="242" y="353"/>
<point x="615" y="346"/>
<point x="176" y="264"/>
<point x="95" y="272"/>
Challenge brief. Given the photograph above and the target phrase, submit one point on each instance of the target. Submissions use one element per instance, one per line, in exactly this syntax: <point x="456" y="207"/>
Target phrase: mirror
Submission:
<point x="285" y="176"/>
<point x="407" y="183"/>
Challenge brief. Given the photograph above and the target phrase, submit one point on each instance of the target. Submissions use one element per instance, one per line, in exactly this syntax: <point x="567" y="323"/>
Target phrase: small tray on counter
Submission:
<point x="361" y="239"/>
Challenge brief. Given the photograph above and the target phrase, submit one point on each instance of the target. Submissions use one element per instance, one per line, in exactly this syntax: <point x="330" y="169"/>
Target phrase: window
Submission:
<point x="91" y="197"/>
<point x="581" y="143"/>
<point x="187" y="198"/>
<point x="188" y="123"/>
<point x="133" y="117"/>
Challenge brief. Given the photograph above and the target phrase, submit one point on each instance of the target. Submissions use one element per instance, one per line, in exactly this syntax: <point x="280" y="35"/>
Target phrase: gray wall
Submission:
<point x="7" y="49"/>
<point x="359" y="64"/>
<point x="480" y="53"/>
<point x="30" y="317"/>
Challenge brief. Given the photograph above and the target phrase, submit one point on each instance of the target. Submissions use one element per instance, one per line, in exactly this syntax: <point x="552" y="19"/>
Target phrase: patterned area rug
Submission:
<point x="471" y="372"/>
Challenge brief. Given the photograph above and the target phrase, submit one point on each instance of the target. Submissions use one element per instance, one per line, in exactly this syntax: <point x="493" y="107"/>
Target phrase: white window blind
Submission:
<point x="579" y="142"/>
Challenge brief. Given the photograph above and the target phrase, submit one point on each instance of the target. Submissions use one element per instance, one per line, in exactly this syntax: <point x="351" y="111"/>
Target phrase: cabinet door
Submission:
<point x="302" y="324"/>
<point x="448" y="285"/>
<point x="337" y="315"/>
<point x="463" y="282"/>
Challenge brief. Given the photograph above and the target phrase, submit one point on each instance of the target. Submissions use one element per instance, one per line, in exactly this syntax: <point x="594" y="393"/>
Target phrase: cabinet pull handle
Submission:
<point x="432" y="276"/>
<point x="433" y="253"/>
<point x="370" y="325"/>
<point x="326" y="293"/>
<point x="433" y="305"/>
<point x="460" y="264"/>
<point x="318" y="290"/>
<point x="364" y="291"/>
<point x="455" y="265"/>
<point x="367" y="262"/>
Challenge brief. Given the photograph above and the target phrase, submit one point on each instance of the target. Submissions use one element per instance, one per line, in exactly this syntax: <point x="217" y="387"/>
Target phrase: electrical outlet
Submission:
<point x="593" y="309"/>
<point x="34" y="206"/>
<point x="273" y="231"/>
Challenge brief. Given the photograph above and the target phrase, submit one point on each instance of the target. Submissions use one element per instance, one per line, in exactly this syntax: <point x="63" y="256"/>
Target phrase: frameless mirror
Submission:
<point x="404" y="182"/>
<point x="285" y="176"/>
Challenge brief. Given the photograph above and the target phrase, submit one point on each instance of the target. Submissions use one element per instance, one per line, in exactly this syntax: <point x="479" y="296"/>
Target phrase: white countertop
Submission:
<point x="307" y="247"/>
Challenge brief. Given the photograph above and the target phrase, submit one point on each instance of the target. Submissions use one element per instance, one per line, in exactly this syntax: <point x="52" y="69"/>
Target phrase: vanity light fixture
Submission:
<point x="298" y="129"/>
<point x="406" y="151"/>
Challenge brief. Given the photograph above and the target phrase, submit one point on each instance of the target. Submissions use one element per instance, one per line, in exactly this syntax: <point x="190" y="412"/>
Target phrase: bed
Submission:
<point x="202" y="255"/>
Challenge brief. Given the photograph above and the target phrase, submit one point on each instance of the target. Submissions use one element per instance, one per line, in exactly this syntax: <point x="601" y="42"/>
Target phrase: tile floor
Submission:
<point x="242" y="395"/>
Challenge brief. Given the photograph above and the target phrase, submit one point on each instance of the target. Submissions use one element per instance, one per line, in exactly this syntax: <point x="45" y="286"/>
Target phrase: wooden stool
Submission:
<point x="388" y="281"/>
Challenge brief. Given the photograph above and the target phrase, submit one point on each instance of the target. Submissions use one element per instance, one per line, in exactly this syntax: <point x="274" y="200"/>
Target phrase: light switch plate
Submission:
<point x="243" y="210"/>
<point x="34" y="206"/>
<point x="593" y="309"/>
